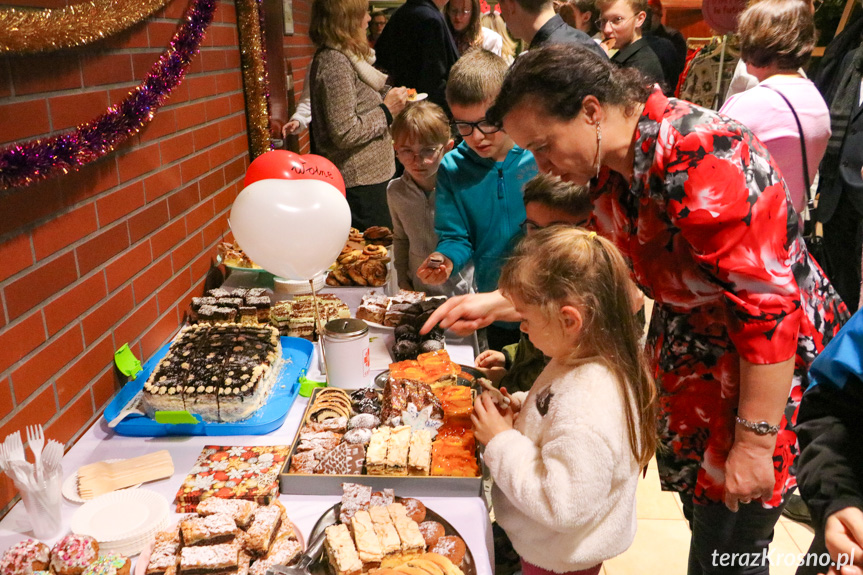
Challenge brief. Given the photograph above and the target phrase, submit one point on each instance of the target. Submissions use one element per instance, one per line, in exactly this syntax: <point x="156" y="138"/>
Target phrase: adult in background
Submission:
<point x="464" y="19"/>
<point x="776" y="40"/>
<point x="698" y="206"/>
<point x="621" y="21"/>
<point x="656" y="28"/>
<point x="581" y="15"/>
<point x="376" y="26"/>
<point x="535" y="22"/>
<point x="840" y="187"/>
<point x="417" y="49"/>
<point x="353" y="107"/>
<point x="669" y="59"/>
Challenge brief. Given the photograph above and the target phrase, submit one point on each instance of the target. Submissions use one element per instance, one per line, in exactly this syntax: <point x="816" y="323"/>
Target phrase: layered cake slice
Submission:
<point x="376" y="453"/>
<point x="210" y="530"/>
<point x="341" y="552"/>
<point x="355" y="497"/>
<point x="409" y="532"/>
<point x="262" y="531"/>
<point x="368" y="545"/>
<point x="209" y="559"/>
<point x="385" y="529"/>
<point x="419" y="455"/>
<point x="164" y="557"/>
<point x="397" y="451"/>
<point x="241" y="510"/>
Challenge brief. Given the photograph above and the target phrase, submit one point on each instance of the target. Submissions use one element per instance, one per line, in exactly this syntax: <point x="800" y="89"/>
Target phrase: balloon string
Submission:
<point x="319" y="326"/>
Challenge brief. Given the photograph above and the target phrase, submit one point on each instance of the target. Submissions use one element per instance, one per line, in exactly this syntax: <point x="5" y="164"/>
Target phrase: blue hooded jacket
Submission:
<point x="479" y="209"/>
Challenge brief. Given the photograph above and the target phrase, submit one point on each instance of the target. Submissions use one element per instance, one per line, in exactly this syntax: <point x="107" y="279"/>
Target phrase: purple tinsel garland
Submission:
<point x="24" y="164"/>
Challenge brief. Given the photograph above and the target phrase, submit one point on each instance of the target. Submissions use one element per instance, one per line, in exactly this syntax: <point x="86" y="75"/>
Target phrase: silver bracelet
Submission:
<point x="759" y="427"/>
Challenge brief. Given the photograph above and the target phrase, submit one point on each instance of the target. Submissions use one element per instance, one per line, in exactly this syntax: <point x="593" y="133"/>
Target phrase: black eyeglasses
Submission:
<point x="615" y="22"/>
<point x="427" y="154"/>
<point x="465" y="129"/>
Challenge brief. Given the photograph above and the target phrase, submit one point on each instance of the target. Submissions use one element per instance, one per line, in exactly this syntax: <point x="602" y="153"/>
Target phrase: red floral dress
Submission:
<point x="708" y="228"/>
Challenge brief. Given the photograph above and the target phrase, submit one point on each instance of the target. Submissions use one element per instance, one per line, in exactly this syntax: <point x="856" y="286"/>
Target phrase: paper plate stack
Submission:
<point x="123" y="522"/>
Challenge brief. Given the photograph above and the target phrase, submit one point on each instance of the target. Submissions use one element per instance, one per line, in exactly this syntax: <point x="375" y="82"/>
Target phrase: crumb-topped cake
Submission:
<point x="221" y="372"/>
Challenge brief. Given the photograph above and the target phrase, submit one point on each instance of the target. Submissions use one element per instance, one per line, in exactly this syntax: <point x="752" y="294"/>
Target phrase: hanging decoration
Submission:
<point x="255" y="82"/>
<point x="27" y="31"/>
<point x="29" y="162"/>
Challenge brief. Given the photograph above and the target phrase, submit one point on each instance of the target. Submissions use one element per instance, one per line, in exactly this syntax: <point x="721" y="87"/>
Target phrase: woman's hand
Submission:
<point x="491" y="358"/>
<point x="843" y="534"/>
<point x="395" y="100"/>
<point x="488" y="420"/>
<point x="465" y="314"/>
<point x="435" y="274"/>
<point x="292" y="128"/>
<point x="749" y="472"/>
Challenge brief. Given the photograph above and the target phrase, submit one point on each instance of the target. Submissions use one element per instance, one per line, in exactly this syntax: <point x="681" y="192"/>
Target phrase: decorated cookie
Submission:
<point x="346" y="459"/>
<point x="25" y="558"/>
<point x="72" y="554"/>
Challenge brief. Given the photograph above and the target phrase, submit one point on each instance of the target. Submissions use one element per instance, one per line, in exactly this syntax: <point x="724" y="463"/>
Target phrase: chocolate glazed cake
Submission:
<point x="222" y="372"/>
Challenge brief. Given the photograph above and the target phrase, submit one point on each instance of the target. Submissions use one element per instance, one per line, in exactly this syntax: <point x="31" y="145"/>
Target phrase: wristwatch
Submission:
<point x="759" y="427"/>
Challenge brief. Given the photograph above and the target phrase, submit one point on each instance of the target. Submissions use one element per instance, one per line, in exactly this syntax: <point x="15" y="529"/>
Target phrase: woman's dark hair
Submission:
<point x="559" y="76"/>
<point x="777" y="31"/>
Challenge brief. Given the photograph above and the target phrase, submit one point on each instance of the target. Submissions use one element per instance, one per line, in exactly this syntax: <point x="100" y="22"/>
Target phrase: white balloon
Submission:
<point x="294" y="229"/>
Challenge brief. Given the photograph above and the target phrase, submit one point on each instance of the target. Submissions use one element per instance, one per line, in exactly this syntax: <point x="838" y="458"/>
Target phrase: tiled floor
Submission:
<point x="662" y="542"/>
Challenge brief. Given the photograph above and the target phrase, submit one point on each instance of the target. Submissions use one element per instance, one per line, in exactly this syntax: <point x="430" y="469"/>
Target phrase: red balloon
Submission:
<point x="285" y="165"/>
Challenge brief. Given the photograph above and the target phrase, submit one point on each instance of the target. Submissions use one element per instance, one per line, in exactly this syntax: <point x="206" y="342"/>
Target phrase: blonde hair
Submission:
<point x="423" y="122"/>
<point x="561" y="266"/>
<point x="337" y="24"/>
<point x="475" y="78"/>
<point x="495" y="22"/>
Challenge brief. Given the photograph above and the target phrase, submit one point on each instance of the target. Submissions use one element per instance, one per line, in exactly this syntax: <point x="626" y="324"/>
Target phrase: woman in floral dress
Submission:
<point x="696" y="204"/>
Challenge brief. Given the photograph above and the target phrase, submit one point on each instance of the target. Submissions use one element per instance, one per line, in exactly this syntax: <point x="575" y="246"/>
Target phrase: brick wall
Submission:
<point x="110" y="254"/>
<point x="300" y="50"/>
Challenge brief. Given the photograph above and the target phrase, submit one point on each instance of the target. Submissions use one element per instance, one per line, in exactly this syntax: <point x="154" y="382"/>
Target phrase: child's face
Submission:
<point x="494" y="145"/>
<point x="620" y="21"/>
<point x="541" y="216"/>
<point x="546" y="333"/>
<point x="421" y="160"/>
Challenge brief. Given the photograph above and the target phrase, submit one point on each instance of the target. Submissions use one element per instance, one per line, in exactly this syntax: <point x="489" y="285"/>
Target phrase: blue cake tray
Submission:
<point x="297" y="354"/>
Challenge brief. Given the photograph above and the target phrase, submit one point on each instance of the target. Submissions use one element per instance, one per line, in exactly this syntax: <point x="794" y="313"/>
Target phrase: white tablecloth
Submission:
<point x="467" y="514"/>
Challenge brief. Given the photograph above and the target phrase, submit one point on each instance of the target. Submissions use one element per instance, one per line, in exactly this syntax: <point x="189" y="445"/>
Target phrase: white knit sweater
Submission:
<point x="565" y="477"/>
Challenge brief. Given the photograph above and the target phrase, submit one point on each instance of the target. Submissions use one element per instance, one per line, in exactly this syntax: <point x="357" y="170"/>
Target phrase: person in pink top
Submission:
<point x="776" y="40"/>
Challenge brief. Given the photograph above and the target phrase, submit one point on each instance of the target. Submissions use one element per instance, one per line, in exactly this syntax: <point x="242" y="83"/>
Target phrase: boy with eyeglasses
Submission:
<point x="421" y="136"/>
<point x="622" y="21"/>
<point x="479" y="205"/>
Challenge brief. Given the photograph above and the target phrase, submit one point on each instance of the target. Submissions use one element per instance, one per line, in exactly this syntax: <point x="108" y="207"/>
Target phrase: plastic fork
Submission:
<point x="36" y="441"/>
<point x="14" y="447"/>
<point x="51" y="457"/>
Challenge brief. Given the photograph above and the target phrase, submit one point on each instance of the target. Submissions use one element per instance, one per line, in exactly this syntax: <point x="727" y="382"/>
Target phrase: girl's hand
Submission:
<point x="435" y="275"/>
<point x="488" y="420"/>
<point x="292" y="128"/>
<point x="491" y="358"/>
<point x="514" y="404"/>
<point x="843" y="534"/>
<point x="748" y="473"/>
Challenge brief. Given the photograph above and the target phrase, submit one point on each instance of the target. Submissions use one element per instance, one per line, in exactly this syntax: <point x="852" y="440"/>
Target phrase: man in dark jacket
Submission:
<point x="622" y="21"/>
<point x="417" y="49"/>
<point x="830" y="465"/>
<point x="840" y="187"/>
<point x="535" y="22"/>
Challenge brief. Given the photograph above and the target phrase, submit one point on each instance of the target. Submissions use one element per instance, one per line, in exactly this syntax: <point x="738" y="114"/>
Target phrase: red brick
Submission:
<point x="100" y="321"/>
<point x="181" y="200"/>
<point x="162" y="124"/>
<point x="223" y="199"/>
<point x="135" y="37"/>
<point x="226" y="13"/>
<point x="64" y="230"/>
<point x="206" y="136"/>
<point x="24" y="120"/>
<point x="39" y="284"/>
<point x="160" y="333"/>
<point x="138" y="161"/>
<point x="104" y="68"/>
<point x="37" y="411"/>
<point x="5" y="78"/>
<point x="211" y="183"/>
<point x="200" y="266"/>
<point x="239" y="145"/>
<point x="212" y="60"/>
<point x="186" y="251"/>
<point x="45" y="73"/>
<point x="6" y="401"/>
<point x="46" y="362"/>
<point x="106" y="245"/>
<point x="142" y="63"/>
<point x="236" y="170"/>
<point x="195" y="166"/>
<point x="162" y="182"/>
<point x="232" y="59"/>
<point x="20" y="339"/>
<point x="148" y="282"/>
<point x="231" y="126"/>
<point x="195" y="66"/>
<point x="66" y="308"/>
<point x="222" y="153"/>
<point x="120" y="203"/>
<point x="16" y="254"/>
<point x="237" y="103"/>
<point x="218" y="108"/>
<point x="133" y="327"/>
<point x="91" y="180"/>
<point x="127" y="265"/>
<point x="84" y="369"/>
<point x="223" y="35"/>
<point x="191" y="115"/>
<point x="104" y="388"/>
<point x="202" y="87"/>
<point x="161" y="33"/>
<point x="73" y="419"/>
<point x="175" y="9"/>
<point x="177" y="147"/>
<point x="143" y="223"/>
<point x="174" y="291"/>
<point x="199" y="216"/>
<point x="74" y="109"/>
<point x="165" y="239"/>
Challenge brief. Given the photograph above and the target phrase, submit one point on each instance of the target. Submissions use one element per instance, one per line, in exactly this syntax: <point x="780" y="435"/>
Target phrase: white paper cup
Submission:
<point x="42" y="502"/>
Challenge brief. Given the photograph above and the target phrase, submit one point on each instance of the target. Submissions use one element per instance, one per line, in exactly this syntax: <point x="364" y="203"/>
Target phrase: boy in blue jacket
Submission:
<point x="479" y="205"/>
